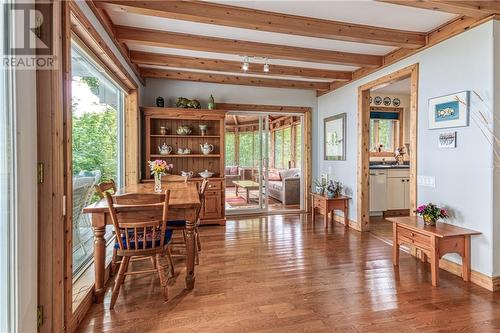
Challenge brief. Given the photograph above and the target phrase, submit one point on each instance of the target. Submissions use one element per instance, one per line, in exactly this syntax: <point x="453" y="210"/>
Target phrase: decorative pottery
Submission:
<point x="206" y="174"/>
<point x="203" y="129"/>
<point x="187" y="103"/>
<point x="160" y="102"/>
<point x="184" y="130"/>
<point x="164" y="149"/>
<point x="183" y="151"/>
<point x="163" y="130"/>
<point x="319" y="190"/>
<point x="429" y="220"/>
<point x="211" y="103"/>
<point x="157" y="182"/>
<point x="330" y="194"/>
<point x="206" y="148"/>
<point x="187" y="174"/>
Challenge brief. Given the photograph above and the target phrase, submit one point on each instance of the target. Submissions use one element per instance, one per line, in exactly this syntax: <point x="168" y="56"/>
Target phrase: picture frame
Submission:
<point x="447" y="140"/>
<point x="449" y="111"/>
<point x="334" y="137"/>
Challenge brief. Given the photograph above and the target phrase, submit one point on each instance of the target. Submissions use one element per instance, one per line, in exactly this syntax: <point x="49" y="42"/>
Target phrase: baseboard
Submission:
<point x="491" y="283"/>
<point x="352" y="224"/>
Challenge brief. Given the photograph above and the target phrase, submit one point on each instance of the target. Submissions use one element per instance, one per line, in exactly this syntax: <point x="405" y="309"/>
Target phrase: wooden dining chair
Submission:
<point x="103" y="187"/>
<point x="140" y="223"/>
<point x="181" y="224"/>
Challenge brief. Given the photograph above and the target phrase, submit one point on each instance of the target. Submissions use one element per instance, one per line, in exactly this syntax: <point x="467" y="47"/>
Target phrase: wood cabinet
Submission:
<point x="160" y="128"/>
<point x="398" y="189"/>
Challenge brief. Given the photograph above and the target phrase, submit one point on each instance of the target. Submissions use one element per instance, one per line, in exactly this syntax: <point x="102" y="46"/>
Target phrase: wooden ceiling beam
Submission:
<point x="146" y="58"/>
<point x="446" y="31"/>
<point x="232" y="79"/>
<point x="475" y="9"/>
<point x="242" y="48"/>
<point x="259" y="20"/>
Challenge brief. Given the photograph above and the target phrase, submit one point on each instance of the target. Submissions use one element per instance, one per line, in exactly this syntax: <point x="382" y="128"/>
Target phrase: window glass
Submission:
<point x="97" y="113"/>
<point x="287" y="146"/>
<point x="246" y="152"/>
<point x="382" y="134"/>
<point x="230" y="154"/>
<point x="278" y="149"/>
<point x="298" y="146"/>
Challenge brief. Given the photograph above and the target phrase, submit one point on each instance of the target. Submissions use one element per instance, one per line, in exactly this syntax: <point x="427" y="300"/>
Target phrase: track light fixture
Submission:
<point x="266" y="67"/>
<point x="246" y="65"/>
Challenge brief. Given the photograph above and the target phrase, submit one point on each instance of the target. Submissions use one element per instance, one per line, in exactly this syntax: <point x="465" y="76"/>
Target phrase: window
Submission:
<point x="298" y="146"/>
<point x="278" y="149"/>
<point x="246" y="149"/>
<point x="230" y="145"/>
<point x="385" y="132"/>
<point x="97" y="139"/>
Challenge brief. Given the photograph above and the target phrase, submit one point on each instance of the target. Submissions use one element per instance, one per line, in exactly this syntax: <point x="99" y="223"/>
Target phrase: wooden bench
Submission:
<point x="433" y="242"/>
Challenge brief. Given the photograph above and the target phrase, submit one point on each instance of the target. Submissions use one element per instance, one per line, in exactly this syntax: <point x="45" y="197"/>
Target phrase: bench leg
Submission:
<point x="466" y="259"/>
<point x="434" y="261"/>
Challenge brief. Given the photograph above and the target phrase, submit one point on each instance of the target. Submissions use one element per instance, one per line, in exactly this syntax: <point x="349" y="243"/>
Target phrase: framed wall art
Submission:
<point x="449" y="111"/>
<point x="334" y="137"/>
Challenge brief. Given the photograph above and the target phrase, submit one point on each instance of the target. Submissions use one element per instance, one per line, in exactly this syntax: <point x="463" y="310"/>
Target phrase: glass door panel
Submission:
<point x="246" y="161"/>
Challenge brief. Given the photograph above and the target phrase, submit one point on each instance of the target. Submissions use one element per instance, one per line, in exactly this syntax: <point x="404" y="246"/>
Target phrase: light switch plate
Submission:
<point x="427" y="181"/>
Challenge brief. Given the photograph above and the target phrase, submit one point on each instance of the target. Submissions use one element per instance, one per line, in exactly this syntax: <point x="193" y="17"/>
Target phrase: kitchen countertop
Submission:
<point x="389" y="166"/>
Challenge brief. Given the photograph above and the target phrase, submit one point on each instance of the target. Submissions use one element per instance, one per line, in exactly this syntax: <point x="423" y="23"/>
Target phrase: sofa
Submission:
<point x="232" y="173"/>
<point x="284" y="185"/>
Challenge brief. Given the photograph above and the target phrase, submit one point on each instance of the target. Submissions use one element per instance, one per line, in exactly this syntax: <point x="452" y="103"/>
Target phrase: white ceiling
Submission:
<point x="399" y="88"/>
<point x="355" y="11"/>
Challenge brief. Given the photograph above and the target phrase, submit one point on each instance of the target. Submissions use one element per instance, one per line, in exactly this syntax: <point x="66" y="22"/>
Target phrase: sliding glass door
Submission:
<point x="247" y="145"/>
<point x="97" y="140"/>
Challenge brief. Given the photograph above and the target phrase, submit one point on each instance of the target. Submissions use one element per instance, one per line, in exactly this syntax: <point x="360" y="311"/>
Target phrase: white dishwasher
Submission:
<point x="378" y="190"/>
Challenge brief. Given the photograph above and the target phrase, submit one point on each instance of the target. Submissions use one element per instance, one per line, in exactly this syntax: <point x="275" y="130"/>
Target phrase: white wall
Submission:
<point x="463" y="175"/>
<point x="496" y="158"/>
<point x="226" y="93"/>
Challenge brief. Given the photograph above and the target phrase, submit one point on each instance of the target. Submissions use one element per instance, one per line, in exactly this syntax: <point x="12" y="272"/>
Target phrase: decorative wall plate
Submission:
<point x="396" y="102"/>
<point x="387" y="101"/>
<point x="371" y="100"/>
<point x="377" y="100"/>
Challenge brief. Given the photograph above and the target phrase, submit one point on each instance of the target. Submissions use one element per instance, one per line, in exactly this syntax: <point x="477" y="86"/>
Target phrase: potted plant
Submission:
<point x="319" y="187"/>
<point x="159" y="168"/>
<point x="334" y="189"/>
<point x="431" y="213"/>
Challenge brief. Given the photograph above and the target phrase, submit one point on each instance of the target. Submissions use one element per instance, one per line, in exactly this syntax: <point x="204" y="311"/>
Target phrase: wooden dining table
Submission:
<point x="183" y="203"/>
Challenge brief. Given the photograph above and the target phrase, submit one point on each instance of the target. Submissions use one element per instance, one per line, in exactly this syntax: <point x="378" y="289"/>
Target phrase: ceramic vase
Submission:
<point x="211" y="103"/>
<point x="157" y="182"/>
<point x="429" y="220"/>
<point x="160" y="102"/>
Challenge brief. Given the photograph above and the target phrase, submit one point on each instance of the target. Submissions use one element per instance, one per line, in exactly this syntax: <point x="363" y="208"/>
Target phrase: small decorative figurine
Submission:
<point x="163" y="130"/>
<point x="160" y="102"/>
<point x="203" y="129"/>
<point x="211" y="103"/>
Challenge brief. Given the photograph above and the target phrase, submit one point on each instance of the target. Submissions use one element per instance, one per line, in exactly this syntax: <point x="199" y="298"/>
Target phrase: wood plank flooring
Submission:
<point x="283" y="274"/>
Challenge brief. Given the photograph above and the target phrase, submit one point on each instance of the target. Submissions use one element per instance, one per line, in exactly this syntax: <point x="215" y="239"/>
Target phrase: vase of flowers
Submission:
<point x="159" y="168"/>
<point x="431" y="213"/>
<point x="319" y="187"/>
<point x="334" y="189"/>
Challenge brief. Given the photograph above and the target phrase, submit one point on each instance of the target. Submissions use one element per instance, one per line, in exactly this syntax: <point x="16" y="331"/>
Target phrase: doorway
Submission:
<point x="264" y="162"/>
<point x="388" y="137"/>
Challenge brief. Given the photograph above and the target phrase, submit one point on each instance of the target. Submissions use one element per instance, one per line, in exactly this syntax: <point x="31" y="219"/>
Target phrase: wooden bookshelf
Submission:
<point x="153" y="118"/>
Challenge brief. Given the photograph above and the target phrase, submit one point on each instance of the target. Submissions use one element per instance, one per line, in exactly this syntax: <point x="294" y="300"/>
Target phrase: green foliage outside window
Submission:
<point x="230" y="153"/>
<point x="246" y="149"/>
<point x="278" y="149"/>
<point x="298" y="146"/>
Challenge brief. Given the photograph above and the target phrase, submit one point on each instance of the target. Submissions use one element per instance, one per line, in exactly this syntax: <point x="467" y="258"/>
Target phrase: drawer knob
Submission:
<point x="412" y="234"/>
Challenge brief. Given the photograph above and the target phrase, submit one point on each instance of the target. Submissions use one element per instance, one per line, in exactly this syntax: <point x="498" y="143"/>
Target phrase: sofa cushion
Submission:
<point x="274" y="175"/>
<point x="275" y="185"/>
<point x="233" y="170"/>
<point x="290" y="173"/>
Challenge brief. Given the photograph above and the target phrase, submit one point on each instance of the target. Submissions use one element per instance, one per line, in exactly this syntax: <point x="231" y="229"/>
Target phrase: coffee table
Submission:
<point x="248" y="185"/>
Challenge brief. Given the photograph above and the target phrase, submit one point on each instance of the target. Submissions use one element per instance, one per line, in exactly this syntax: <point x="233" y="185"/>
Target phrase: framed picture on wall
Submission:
<point x="449" y="111"/>
<point x="334" y="137"/>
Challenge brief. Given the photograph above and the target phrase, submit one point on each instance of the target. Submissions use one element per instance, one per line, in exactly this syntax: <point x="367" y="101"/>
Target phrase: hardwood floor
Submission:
<point x="283" y="274"/>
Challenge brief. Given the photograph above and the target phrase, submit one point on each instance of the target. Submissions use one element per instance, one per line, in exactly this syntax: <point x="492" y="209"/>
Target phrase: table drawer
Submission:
<point x="318" y="203"/>
<point x="418" y="239"/>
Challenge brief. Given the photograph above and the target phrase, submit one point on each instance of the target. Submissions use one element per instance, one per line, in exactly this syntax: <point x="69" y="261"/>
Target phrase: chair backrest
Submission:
<point x="139" y="220"/>
<point x="82" y="189"/>
<point x="104" y="187"/>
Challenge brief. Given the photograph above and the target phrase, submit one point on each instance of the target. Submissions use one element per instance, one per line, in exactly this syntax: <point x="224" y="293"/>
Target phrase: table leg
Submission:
<point x="423" y="256"/>
<point x="190" y="253"/>
<point x="346" y="215"/>
<point x="99" y="258"/>
<point x="434" y="261"/>
<point x="248" y="195"/>
<point x="236" y="190"/>
<point x="313" y="212"/>
<point x="395" y="245"/>
<point x="325" y="218"/>
<point x="466" y="259"/>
